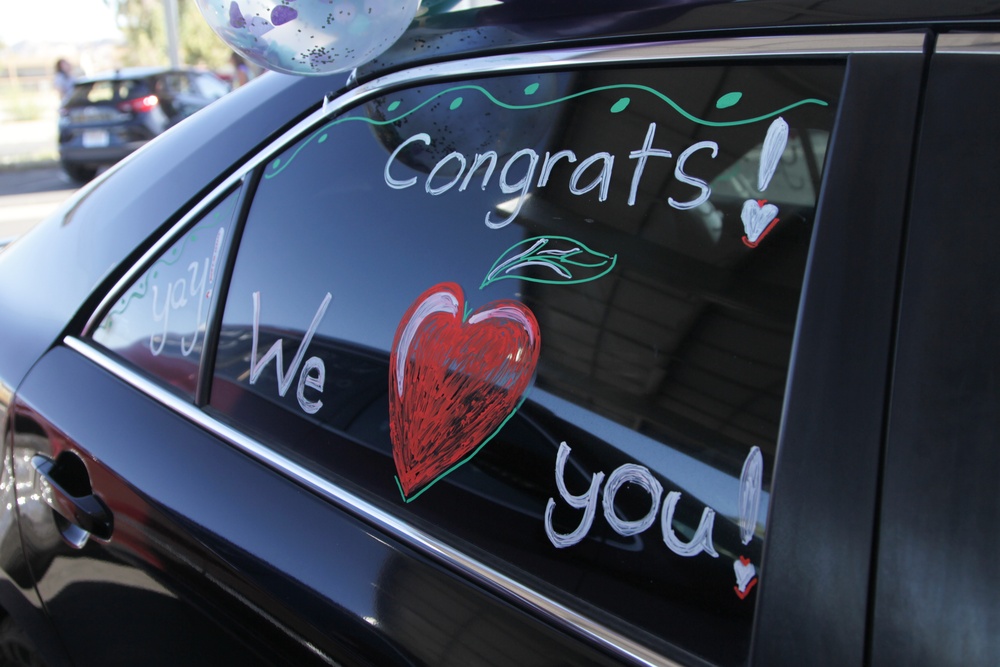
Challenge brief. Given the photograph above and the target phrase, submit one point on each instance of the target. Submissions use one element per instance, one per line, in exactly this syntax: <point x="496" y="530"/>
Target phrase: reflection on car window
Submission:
<point x="547" y="317"/>
<point x="159" y="321"/>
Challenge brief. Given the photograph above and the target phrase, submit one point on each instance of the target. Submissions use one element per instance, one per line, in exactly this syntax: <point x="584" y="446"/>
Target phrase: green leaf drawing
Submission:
<point x="728" y="100"/>
<point x="563" y="260"/>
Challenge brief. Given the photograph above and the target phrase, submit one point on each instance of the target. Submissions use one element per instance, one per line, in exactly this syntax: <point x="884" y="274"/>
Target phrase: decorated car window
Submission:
<point x="548" y="319"/>
<point x="159" y="322"/>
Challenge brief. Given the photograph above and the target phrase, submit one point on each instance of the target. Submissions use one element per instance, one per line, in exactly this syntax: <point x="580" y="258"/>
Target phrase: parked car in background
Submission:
<point x="572" y="333"/>
<point x="109" y="115"/>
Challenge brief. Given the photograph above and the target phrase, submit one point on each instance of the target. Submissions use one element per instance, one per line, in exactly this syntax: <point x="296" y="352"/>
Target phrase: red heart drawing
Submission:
<point x="746" y="577"/>
<point x="454" y="381"/>
<point x="759" y="218"/>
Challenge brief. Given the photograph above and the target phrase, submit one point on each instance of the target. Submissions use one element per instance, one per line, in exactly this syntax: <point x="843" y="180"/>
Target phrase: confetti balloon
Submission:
<point x="309" y="36"/>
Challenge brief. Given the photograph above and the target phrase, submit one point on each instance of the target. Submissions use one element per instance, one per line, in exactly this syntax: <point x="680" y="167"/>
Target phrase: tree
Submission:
<point x="143" y="22"/>
<point x="199" y="43"/>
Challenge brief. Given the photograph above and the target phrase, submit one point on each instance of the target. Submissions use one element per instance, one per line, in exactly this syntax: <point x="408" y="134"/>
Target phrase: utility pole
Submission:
<point x="173" y="32"/>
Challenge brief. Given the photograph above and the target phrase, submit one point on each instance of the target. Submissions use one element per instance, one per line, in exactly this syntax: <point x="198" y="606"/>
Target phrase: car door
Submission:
<point x="933" y="601"/>
<point x="225" y="462"/>
<point x="120" y="571"/>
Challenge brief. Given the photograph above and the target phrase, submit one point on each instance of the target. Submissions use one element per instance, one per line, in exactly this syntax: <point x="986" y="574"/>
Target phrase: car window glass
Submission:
<point x="177" y="83"/>
<point x="548" y="319"/>
<point x="98" y="92"/>
<point x="158" y="323"/>
<point x="93" y="93"/>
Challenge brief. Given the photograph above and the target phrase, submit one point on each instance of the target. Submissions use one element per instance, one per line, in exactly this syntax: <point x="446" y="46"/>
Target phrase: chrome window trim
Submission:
<point x="369" y="512"/>
<point x="727" y="48"/>
<point x="968" y="43"/>
<point x="682" y="51"/>
<point x="161" y="245"/>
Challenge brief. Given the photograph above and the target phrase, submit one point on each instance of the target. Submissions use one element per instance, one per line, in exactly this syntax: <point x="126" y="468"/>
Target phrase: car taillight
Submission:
<point x="140" y="104"/>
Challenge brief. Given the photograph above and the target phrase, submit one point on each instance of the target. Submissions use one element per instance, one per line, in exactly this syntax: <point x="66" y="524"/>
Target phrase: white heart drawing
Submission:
<point x="745" y="573"/>
<point x="756" y="218"/>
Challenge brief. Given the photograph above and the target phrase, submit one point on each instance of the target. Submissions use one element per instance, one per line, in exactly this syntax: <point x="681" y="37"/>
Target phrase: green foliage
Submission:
<point x="199" y="44"/>
<point x="17" y="104"/>
<point x="144" y="24"/>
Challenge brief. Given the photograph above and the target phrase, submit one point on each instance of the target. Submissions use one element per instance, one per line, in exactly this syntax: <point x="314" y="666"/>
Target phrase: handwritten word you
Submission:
<point x="518" y="173"/>
<point x="641" y="477"/>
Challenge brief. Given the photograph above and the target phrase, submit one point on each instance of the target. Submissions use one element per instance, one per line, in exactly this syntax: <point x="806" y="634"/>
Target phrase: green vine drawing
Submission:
<point x="456" y="101"/>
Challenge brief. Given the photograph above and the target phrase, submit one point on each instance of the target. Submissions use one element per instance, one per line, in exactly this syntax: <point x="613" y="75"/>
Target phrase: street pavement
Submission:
<point x="31" y="183"/>
<point x="27" y="196"/>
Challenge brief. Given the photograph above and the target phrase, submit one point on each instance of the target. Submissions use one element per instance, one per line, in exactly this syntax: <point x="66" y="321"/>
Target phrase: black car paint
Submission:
<point x="523" y="26"/>
<point x="207" y="552"/>
<point x="828" y="534"/>
<point x="939" y="494"/>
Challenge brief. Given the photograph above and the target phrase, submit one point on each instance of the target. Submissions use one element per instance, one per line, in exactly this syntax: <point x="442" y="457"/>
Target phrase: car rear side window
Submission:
<point x="158" y="323"/>
<point x="112" y="90"/>
<point x="546" y="318"/>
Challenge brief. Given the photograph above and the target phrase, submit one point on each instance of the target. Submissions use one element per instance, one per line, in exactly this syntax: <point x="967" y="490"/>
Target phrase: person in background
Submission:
<point x="63" y="81"/>
<point x="241" y="73"/>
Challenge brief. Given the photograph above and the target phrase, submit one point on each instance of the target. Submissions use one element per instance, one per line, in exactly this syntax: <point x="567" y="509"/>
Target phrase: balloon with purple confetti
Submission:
<point x="311" y="37"/>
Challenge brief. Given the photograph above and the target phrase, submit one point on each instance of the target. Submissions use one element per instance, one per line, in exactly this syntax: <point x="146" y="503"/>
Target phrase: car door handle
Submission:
<point x="82" y="509"/>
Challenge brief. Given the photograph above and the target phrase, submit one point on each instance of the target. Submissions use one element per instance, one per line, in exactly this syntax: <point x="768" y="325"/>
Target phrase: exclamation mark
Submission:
<point x="758" y="216"/>
<point x="751" y="479"/>
<point x="750" y="485"/>
<point x="770" y="153"/>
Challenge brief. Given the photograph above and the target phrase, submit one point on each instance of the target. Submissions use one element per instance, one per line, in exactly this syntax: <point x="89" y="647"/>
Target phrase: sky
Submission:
<point x="62" y="21"/>
<point x="75" y="21"/>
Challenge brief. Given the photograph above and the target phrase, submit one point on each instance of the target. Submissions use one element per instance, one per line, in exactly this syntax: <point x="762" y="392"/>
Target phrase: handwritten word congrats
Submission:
<point x="518" y="173"/>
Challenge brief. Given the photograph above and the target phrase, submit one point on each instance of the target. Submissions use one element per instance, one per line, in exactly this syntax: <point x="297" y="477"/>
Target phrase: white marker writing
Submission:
<point x="637" y="475"/>
<point x="631" y="474"/>
<point x="749" y="500"/>
<point x="770" y="153"/>
<point x="521" y="185"/>
<point x="683" y="177"/>
<point x="647" y="151"/>
<point x="397" y="184"/>
<point x="175" y="298"/>
<point x="586" y="502"/>
<point x="518" y="173"/>
<point x="702" y="538"/>
<point x="285" y="377"/>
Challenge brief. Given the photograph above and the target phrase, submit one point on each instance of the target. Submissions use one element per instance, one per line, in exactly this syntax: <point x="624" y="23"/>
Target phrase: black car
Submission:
<point x="109" y="115"/>
<point x="657" y="333"/>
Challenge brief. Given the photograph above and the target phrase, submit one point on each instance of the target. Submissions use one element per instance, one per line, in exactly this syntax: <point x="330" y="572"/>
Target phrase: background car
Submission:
<point x="109" y="115"/>
<point x="658" y="335"/>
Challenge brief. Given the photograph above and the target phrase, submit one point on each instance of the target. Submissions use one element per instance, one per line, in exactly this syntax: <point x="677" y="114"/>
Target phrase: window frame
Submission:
<point x="246" y="177"/>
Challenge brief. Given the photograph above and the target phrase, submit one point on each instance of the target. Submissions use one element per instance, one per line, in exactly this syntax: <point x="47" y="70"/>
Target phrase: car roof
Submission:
<point x="519" y="25"/>
<point x="131" y="73"/>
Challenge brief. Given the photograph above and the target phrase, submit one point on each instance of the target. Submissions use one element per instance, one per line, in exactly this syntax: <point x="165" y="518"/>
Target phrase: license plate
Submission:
<point x="95" y="138"/>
